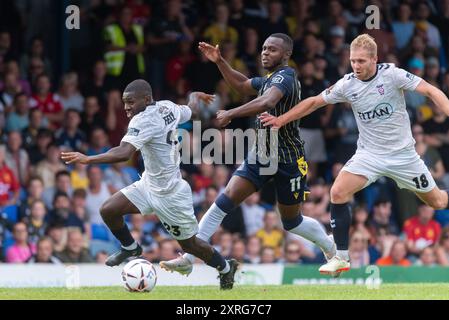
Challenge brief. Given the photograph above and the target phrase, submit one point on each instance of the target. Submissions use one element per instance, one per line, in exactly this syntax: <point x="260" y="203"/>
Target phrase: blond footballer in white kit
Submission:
<point x="385" y="146"/>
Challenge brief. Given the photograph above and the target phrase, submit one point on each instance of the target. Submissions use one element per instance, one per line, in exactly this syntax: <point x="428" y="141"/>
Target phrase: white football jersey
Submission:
<point x="379" y="107"/>
<point x="153" y="132"/>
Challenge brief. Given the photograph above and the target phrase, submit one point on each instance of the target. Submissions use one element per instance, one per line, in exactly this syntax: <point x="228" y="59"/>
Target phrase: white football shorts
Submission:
<point x="174" y="210"/>
<point x="405" y="167"/>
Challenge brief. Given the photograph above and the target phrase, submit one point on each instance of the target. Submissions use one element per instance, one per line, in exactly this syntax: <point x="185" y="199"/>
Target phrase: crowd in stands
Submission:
<point x="50" y="211"/>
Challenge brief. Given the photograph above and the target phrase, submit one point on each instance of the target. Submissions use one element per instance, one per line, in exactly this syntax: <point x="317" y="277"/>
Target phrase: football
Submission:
<point x="139" y="275"/>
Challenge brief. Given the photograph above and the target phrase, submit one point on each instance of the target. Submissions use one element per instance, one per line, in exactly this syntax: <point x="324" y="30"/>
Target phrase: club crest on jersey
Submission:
<point x="277" y="79"/>
<point x="380" y="89"/>
<point x="354" y="97"/>
<point x="163" y="110"/>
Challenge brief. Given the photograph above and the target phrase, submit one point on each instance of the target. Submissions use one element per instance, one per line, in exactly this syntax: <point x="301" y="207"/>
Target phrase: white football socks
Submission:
<point x="312" y="230"/>
<point x="343" y="254"/>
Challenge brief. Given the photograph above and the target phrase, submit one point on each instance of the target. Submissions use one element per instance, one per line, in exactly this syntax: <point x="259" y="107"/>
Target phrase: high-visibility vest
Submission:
<point x="116" y="59"/>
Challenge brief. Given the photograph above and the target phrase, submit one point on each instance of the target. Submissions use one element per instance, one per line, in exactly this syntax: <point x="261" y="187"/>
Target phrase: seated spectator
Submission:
<point x="98" y="144"/>
<point x="16" y="157"/>
<point x="75" y="252"/>
<point x="11" y="87"/>
<point x="44" y="252"/>
<point x="219" y="30"/>
<point x="62" y="213"/>
<point x="358" y="250"/>
<point x="9" y="184"/>
<point x="36" y="224"/>
<point x="397" y="256"/>
<point x="91" y="116"/>
<point x="97" y="193"/>
<point x="35" y="191"/>
<point x="381" y="218"/>
<point x="13" y="67"/>
<point x="268" y="255"/>
<point x="271" y="234"/>
<point x="79" y="206"/>
<point x="78" y="176"/>
<point x="58" y="234"/>
<point x="427" y="257"/>
<point x="68" y="94"/>
<point x="292" y="253"/>
<point x="47" y="102"/>
<point x="62" y="184"/>
<point x="70" y="137"/>
<point x="116" y="177"/>
<point x="36" y="51"/>
<point x="225" y="244"/>
<point x="360" y="222"/>
<point x="442" y="249"/>
<point x="37" y="121"/>
<point x="50" y="166"/>
<point x="101" y="257"/>
<point x="38" y="150"/>
<point x="253" y="214"/>
<point x="421" y="230"/>
<point x="167" y="250"/>
<point x="18" y="118"/>
<point x="238" y="250"/>
<point x="21" y="250"/>
<point x="253" y="250"/>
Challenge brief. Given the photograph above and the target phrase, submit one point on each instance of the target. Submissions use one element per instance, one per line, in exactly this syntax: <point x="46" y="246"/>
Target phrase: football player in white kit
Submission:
<point x="385" y="146"/>
<point x="152" y="130"/>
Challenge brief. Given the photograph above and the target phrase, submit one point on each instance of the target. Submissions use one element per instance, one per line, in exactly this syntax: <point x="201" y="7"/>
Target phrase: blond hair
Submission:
<point x="365" y="41"/>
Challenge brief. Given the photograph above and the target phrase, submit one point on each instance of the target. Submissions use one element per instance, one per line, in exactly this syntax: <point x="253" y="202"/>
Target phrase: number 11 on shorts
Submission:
<point x="295" y="183"/>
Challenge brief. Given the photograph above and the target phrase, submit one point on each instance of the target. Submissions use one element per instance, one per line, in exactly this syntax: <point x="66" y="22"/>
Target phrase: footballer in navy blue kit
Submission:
<point x="277" y="92"/>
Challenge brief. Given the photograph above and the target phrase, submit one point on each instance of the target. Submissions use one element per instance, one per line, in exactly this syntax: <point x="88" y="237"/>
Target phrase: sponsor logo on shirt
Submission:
<point x="382" y="111"/>
<point x="277" y="79"/>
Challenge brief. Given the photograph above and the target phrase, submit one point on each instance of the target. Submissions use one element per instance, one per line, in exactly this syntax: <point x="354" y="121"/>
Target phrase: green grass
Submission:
<point x="414" y="291"/>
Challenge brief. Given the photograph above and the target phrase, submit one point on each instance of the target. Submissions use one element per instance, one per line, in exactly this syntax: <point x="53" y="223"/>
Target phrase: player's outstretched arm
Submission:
<point x="121" y="153"/>
<point x="238" y="81"/>
<point x="299" y="111"/>
<point x="435" y="94"/>
<point x="258" y="105"/>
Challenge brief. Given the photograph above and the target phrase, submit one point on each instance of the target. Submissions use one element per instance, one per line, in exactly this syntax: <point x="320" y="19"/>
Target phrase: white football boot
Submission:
<point x="334" y="266"/>
<point x="180" y="265"/>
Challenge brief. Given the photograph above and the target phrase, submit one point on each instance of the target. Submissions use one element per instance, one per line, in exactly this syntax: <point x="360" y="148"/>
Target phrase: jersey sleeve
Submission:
<point x="405" y="80"/>
<point x="185" y="113"/>
<point x="283" y="82"/>
<point x="139" y="132"/>
<point x="334" y="94"/>
<point x="256" y="83"/>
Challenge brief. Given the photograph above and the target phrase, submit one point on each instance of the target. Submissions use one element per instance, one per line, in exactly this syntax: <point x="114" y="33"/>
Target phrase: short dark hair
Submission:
<point x="62" y="173"/>
<point x="139" y="86"/>
<point x="288" y="42"/>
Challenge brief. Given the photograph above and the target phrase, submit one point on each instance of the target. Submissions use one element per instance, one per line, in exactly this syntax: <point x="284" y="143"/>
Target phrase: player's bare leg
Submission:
<point x="342" y="191"/>
<point x="436" y="198"/>
<point x="203" y="250"/>
<point x="112" y="212"/>
<point x="237" y="190"/>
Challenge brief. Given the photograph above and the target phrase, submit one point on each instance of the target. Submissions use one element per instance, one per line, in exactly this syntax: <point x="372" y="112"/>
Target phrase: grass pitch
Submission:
<point x="416" y="291"/>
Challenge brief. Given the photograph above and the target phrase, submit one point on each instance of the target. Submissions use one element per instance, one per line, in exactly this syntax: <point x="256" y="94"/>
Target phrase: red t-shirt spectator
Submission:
<point x="418" y="232"/>
<point x="50" y="104"/>
<point x="8" y="183"/>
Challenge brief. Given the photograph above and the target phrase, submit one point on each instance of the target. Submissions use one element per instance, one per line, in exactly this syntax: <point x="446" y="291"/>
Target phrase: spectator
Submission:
<point x="116" y="177"/>
<point x="44" y="252"/>
<point x="427" y="257"/>
<point x="275" y="22"/>
<point x="13" y="67"/>
<point x="58" y="234"/>
<point x="253" y="250"/>
<point x="219" y="30"/>
<point x="16" y="158"/>
<point x="98" y="144"/>
<point x="47" y="102"/>
<point x="238" y="250"/>
<point x="18" y="118"/>
<point x="167" y="250"/>
<point x="396" y="257"/>
<point x="271" y="234"/>
<point x="62" y="184"/>
<point x="36" y="224"/>
<point x="101" y="257"/>
<point x="70" y="137"/>
<point x="48" y="167"/>
<point x="97" y="194"/>
<point x="381" y="218"/>
<point x="253" y="214"/>
<point x="292" y="253"/>
<point x="124" y="42"/>
<point x="78" y="176"/>
<point x="36" y="53"/>
<point x="35" y="192"/>
<point x="75" y="252"/>
<point x="358" y="250"/>
<point x="360" y="222"/>
<point x="9" y="184"/>
<point x="421" y="230"/>
<point x="11" y="87"/>
<point x="21" y="250"/>
<point x="96" y="86"/>
<point x="62" y="213"/>
<point x="38" y="151"/>
<point x="225" y="244"/>
<point x="403" y="27"/>
<point x="68" y="94"/>
<point x="268" y="255"/>
<point x="91" y="117"/>
<point x="442" y="249"/>
<point x="36" y="121"/>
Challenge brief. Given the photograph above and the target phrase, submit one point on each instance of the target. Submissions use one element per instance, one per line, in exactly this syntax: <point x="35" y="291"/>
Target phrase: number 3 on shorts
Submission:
<point x="421" y="182"/>
<point x="174" y="230"/>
